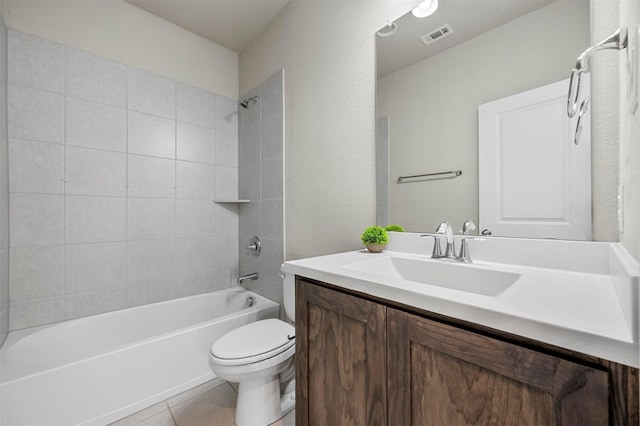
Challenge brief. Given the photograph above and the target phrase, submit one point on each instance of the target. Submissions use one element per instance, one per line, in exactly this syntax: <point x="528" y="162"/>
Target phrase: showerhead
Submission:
<point x="245" y="102"/>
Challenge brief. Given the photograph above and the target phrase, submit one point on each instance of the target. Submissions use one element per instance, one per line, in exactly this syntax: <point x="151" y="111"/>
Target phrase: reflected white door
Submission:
<point x="533" y="180"/>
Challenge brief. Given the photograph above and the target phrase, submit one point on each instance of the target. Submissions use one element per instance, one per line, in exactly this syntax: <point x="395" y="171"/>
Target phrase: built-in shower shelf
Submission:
<point x="232" y="201"/>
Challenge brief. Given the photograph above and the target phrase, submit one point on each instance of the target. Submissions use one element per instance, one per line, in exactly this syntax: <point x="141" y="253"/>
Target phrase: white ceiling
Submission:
<point x="467" y="18"/>
<point x="230" y="23"/>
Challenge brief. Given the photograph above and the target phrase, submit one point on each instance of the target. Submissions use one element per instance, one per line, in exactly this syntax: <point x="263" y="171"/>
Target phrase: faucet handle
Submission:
<point x="437" y="250"/>
<point x="464" y="255"/>
<point x="467" y="226"/>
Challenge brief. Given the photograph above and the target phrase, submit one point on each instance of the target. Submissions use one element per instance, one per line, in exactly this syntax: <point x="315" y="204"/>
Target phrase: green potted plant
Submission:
<point x="374" y="238"/>
<point x="394" y="228"/>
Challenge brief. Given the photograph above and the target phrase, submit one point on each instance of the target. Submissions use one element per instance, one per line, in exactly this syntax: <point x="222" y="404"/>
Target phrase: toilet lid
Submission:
<point x="266" y="337"/>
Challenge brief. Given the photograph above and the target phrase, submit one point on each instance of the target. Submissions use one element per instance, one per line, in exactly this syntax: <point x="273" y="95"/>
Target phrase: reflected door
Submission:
<point x="534" y="181"/>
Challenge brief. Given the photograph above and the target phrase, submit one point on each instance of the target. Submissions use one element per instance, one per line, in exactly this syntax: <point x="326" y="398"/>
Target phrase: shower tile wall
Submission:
<point x="261" y="181"/>
<point x="113" y="173"/>
<point x="4" y="186"/>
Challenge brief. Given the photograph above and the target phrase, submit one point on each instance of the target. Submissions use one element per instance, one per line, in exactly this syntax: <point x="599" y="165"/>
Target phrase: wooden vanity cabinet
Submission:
<point x="363" y="362"/>
<point x="340" y="358"/>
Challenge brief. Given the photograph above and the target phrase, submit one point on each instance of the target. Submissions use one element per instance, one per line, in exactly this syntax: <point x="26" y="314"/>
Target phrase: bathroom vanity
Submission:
<point x="374" y="348"/>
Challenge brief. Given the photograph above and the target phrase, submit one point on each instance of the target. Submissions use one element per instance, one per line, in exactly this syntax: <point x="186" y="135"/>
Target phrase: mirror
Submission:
<point x="428" y="95"/>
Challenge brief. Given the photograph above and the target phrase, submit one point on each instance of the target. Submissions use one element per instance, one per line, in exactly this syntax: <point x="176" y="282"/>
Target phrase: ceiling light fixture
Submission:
<point x="426" y="8"/>
<point x="388" y="30"/>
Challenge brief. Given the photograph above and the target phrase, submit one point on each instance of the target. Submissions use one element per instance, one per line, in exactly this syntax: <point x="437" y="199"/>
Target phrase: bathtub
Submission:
<point x="98" y="369"/>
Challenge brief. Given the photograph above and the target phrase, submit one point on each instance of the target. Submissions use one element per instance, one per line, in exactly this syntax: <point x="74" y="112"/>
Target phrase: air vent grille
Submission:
<point x="436" y="35"/>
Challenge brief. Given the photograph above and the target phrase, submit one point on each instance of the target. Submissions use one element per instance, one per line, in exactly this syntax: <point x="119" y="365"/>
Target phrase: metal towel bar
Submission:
<point x="439" y="175"/>
<point x="618" y="41"/>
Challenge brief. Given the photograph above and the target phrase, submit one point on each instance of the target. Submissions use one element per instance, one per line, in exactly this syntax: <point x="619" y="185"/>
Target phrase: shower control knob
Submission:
<point x="254" y="247"/>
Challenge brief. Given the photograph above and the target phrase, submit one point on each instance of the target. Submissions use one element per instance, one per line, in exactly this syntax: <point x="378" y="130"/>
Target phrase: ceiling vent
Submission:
<point x="436" y="35"/>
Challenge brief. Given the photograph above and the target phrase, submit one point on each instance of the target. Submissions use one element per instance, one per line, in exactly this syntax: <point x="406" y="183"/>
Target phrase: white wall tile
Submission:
<point x="195" y="218"/>
<point x="94" y="219"/>
<point x="4" y="278"/>
<point x="151" y="94"/>
<point x="4" y="220"/>
<point x="269" y="266"/>
<point x="196" y="284"/>
<point x="271" y="135"/>
<point x="272" y="218"/>
<point x="196" y="256"/>
<point x="150" y="260"/>
<point x="36" y="272"/>
<point x="36" y="312"/>
<point x="226" y="114"/>
<point x="95" y="302"/>
<point x="250" y="116"/>
<point x="159" y="289"/>
<point x="35" y="114"/>
<point x="95" y="125"/>
<point x="249" y="186"/>
<point x="195" y="181"/>
<point x="226" y="253"/>
<point x="249" y="221"/>
<point x="196" y="143"/>
<point x="226" y="217"/>
<point x="4" y="163"/>
<point x="226" y="149"/>
<point x="95" y="266"/>
<point x="271" y="94"/>
<point x="150" y="218"/>
<point x="272" y="178"/>
<point x="95" y="172"/>
<point x="36" y="167"/>
<point x="196" y="106"/>
<point x="151" y="177"/>
<point x="151" y="135"/>
<point x="35" y="62"/>
<point x="36" y="220"/>
<point x="96" y="79"/>
<point x="226" y="182"/>
<point x="249" y="145"/>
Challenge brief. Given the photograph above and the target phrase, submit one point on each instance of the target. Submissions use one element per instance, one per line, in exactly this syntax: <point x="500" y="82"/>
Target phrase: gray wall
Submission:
<point x="113" y="173"/>
<point x="261" y="181"/>
<point x="4" y="185"/>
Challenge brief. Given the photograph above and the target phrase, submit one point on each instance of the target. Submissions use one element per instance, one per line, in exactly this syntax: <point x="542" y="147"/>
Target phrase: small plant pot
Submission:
<point x="375" y="248"/>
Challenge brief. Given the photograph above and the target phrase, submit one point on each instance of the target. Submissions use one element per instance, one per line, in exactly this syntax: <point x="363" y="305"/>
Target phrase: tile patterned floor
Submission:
<point x="211" y="404"/>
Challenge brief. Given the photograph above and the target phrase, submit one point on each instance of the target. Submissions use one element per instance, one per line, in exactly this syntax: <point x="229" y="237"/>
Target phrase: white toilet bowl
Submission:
<point x="254" y="355"/>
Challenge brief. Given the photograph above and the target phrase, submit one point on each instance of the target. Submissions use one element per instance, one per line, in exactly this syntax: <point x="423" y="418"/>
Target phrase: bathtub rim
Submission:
<point x="15" y="336"/>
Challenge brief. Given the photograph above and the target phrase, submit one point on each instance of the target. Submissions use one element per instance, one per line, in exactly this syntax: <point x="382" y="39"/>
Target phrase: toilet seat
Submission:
<point x="253" y="342"/>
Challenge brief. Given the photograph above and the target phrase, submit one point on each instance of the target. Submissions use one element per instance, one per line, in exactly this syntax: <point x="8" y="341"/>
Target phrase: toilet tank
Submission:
<point x="289" y="294"/>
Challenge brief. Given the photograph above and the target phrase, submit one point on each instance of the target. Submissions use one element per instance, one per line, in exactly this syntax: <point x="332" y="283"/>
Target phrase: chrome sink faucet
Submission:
<point x="445" y="230"/>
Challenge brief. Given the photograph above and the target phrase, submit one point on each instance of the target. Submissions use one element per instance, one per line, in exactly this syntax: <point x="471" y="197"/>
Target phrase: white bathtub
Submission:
<point x="98" y="369"/>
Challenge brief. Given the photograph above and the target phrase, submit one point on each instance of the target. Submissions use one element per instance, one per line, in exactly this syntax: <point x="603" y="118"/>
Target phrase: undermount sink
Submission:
<point x="461" y="277"/>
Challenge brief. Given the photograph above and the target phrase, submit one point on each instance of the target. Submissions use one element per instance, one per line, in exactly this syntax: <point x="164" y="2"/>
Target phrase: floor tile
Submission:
<point x="163" y="419"/>
<point x="192" y="393"/>
<point x="288" y="420"/>
<point x="215" y="407"/>
<point x="139" y="417"/>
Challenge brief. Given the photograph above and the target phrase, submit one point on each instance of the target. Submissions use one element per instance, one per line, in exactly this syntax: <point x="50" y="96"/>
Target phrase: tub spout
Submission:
<point x="247" y="277"/>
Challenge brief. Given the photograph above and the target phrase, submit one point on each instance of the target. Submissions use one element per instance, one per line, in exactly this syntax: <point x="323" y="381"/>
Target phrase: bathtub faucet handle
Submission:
<point x="254" y="247"/>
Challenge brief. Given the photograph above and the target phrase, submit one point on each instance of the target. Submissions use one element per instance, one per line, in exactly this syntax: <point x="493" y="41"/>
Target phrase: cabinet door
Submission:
<point x="340" y="358"/>
<point x="442" y="375"/>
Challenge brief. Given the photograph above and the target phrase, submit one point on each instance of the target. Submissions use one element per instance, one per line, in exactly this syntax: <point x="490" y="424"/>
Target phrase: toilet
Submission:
<point x="258" y="356"/>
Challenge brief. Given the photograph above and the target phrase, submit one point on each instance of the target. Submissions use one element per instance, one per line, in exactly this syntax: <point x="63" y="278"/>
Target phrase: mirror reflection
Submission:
<point x="472" y="52"/>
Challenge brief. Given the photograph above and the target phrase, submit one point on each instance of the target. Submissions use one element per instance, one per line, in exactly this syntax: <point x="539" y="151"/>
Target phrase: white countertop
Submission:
<point x="582" y="311"/>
